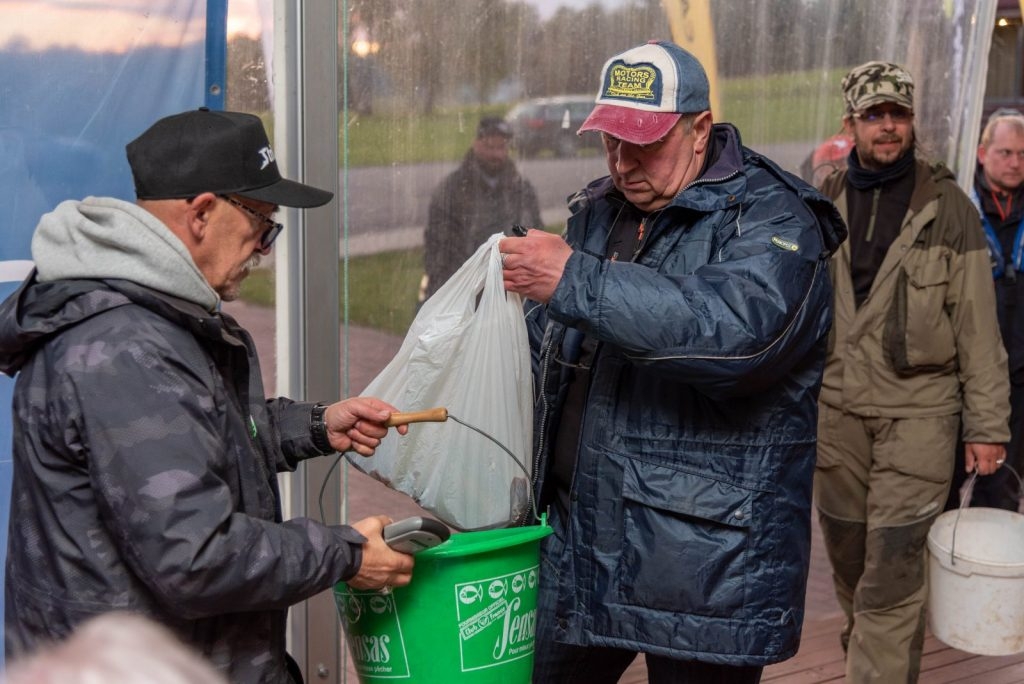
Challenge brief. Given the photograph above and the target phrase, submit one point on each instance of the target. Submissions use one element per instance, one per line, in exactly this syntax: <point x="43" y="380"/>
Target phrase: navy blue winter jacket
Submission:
<point x="691" y="498"/>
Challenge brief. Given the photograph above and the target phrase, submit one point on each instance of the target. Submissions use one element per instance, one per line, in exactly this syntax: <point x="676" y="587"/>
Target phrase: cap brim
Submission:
<point x="287" y="193"/>
<point x="632" y="125"/>
<point x="885" y="98"/>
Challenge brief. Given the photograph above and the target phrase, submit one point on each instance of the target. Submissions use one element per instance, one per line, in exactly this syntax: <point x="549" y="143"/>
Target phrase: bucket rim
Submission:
<point x="942" y="555"/>
<point x="470" y="543"/>
<point x="940" y="536"/>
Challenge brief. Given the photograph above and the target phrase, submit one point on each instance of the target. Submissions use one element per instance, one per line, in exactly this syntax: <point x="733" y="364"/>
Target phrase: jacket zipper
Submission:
<point x="545" y="364"/>
<point x="875" y="195"/>
<point x="639" y="238"/>
<point x="703" y="181"/>
<point x="641" y="231"/>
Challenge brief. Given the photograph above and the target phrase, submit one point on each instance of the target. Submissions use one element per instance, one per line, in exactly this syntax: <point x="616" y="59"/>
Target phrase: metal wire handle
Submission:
<point x="967" y="497"/>
<point x="529" y="487"/>
<point x="441" y="415"/>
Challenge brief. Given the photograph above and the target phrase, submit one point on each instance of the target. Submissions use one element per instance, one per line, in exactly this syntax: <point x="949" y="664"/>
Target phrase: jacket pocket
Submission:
<point x="918" y="333"/>
<point x="685" y="539"/>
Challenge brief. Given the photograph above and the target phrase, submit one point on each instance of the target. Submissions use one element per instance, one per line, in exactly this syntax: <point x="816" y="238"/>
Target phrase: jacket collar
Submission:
<point x="37" y="311"/>
<point x="716" y="188"/>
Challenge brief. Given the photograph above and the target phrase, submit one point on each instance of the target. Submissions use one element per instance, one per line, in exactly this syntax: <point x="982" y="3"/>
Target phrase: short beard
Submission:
<point x="233" y="290"/>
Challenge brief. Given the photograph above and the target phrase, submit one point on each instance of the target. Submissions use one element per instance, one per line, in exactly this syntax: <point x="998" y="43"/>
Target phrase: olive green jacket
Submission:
<point x="925" y="341"/>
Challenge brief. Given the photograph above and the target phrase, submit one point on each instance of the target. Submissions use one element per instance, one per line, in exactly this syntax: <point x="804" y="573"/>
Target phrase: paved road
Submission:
<point x="387" y="206"/>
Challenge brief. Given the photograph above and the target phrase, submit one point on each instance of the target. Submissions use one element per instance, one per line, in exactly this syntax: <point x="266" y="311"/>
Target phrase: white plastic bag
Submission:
<point x="467" y="351"/>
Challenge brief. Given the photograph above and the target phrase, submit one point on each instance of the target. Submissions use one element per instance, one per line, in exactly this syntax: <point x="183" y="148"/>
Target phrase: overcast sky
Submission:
<point x="548" y="7"/>
<point x="99" y="25"/>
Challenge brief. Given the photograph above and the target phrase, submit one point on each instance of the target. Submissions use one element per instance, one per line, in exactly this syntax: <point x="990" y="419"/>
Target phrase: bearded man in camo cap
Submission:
<point x="915" y="361"/>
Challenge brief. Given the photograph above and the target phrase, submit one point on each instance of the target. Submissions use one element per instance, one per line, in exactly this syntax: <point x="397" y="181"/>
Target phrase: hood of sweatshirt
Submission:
<point x="106" y="238"/>
<point x="94" y="255"/>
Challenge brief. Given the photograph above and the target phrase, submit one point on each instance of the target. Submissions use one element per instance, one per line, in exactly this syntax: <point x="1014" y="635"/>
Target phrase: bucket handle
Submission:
<point x="967" y="497"/>
<point x="441" y="415"/>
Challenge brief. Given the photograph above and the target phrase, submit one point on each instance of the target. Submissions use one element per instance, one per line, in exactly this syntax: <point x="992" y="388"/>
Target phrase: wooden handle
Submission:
<point x="434" y="415"/>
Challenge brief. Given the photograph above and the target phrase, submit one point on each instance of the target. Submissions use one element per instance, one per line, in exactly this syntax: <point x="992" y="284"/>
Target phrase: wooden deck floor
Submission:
<point x="820" y="658"/>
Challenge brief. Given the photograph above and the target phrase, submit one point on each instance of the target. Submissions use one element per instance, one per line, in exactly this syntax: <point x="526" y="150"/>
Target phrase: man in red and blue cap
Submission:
<point x="680" y="330"/>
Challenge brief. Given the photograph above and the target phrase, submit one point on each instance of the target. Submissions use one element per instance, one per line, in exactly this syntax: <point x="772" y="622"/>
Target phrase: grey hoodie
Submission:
<point x="103" y="237"/>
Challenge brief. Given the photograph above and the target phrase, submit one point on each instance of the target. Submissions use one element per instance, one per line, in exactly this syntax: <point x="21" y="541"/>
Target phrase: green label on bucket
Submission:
<point x="476" y="624"/>
<point x="380" y="652"/>
<point x="497" y="618"/>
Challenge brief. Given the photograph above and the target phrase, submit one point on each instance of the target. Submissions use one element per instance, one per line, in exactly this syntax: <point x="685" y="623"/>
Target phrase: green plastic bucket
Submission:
<point x="469" y="614"/>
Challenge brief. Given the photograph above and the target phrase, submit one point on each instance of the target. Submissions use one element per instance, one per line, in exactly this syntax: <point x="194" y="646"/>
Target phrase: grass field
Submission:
<point x="770" y="109"/>
<point x="379" y="291"/>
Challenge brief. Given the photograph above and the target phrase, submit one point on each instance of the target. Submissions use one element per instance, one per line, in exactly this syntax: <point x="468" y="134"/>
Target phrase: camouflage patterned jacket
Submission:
<point x="145" y="459"/>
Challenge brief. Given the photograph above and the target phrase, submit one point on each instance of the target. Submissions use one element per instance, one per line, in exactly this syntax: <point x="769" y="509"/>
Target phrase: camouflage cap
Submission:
<point x="877" y="82"/>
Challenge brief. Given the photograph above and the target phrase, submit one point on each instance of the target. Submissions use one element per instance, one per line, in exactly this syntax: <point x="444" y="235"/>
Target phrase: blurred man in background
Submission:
<point x="484" y="196"/>
<point x="999" y="195"/>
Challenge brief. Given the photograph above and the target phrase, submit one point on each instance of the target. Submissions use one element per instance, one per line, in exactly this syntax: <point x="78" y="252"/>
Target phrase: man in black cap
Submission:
<point x="485" y="195"/>
<point x="145" y="452"/>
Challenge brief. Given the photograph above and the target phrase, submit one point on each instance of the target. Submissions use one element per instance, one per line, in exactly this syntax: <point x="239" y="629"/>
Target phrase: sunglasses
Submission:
<point x="271" y="228"/>
<point x="898" y="115"/>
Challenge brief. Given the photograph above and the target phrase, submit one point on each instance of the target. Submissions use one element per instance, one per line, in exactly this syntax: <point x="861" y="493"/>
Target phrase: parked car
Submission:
<point x="549" y="124"/>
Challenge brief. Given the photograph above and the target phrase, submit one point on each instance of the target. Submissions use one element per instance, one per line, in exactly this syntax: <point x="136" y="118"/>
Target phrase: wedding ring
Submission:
<point x="503" y="257"/>
<point x="385" y="589"/>
<point x="1000" y="461"/>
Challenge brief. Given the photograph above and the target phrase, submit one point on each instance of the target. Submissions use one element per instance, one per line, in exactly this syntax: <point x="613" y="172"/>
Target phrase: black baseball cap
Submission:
<point x="493" y="125"/>
<point x="203" y="150"/>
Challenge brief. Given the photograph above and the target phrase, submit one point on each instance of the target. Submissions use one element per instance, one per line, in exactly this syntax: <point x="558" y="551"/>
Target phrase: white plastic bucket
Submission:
<point x="976" y="573"/>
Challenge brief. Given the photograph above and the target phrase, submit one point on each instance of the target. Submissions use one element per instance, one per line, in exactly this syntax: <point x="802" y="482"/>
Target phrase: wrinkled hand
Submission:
<point x="533" y="265"/>
<point x="382" y="566"/>
<point x="987" y="458"/>
<point x="357" y="424"/>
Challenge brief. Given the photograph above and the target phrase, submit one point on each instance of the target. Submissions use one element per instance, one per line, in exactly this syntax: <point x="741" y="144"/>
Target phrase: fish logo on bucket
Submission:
<point x="497" y="618"/>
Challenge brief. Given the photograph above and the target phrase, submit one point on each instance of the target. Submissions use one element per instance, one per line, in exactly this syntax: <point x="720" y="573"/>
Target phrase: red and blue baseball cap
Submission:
<point x="645" y="90"/>
<point x="204" y="150"/>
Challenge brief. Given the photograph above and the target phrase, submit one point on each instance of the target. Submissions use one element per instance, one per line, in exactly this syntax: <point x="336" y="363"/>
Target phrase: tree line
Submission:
<point x="432" y="53"/>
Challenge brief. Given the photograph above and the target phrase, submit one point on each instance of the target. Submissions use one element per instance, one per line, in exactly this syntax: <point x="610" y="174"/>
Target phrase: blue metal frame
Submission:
<point x="216" y="53"/>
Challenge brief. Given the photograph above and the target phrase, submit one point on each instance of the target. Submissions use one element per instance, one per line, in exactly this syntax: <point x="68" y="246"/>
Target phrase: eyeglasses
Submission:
<point x="899" y="115"/>
<point x="271" y="228"/>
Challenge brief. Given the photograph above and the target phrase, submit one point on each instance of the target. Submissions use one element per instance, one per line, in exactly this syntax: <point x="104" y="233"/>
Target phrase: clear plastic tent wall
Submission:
<point x="79" y="79"/>
<point x="416" y="77"/>
<point x="414" y="82"/>
<point x="780" y="65"/>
